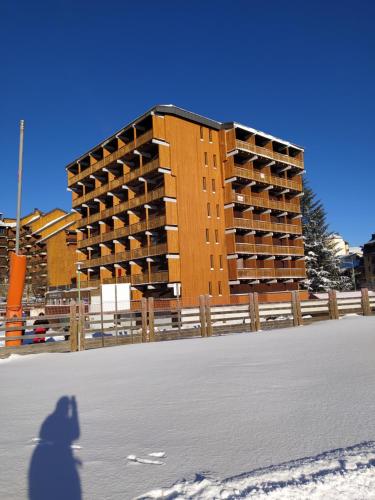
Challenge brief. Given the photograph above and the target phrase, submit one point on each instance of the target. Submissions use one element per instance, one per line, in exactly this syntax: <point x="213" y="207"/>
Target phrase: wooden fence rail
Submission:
<point x="149" y="321"/>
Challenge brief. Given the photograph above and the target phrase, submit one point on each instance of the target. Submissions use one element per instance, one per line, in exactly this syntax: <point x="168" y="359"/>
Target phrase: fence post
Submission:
<point x="179" y="316"/>
<point x="101" y="313"/>
<point x="73" y="326"/>
<point x="151" y="319"/>
<point x="365" y="301"/>
<point x="296" y="309"/>
<point x="253" y="326"/>
<point x="208" y="315"/>
<point x="144" y="319"/>
<point x="81" y="326"/>
<point x="202" y="315"/>
<point x="256" y="311"/>
<point x="332" y="305"/>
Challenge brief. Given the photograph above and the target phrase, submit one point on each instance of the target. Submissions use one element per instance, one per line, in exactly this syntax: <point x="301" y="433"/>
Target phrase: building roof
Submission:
<point x="171" y="109"/>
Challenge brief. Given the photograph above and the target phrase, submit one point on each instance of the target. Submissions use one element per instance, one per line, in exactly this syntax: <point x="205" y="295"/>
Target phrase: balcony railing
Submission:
<point x="257" y="201"/>
<point x="265" y="273"/>
<point x="249" y="248"/>
<point x="136" y="253"/>
<point x="254" y="175"/>
<point x="158" y="277"/>
<point x="125" y="205"/>
<point x="267" y="153"/>
<point x="260" y="225"/>
<point x="111" y="158"/>
<point x="121" y="232"/>
<point x="116" y="183"/>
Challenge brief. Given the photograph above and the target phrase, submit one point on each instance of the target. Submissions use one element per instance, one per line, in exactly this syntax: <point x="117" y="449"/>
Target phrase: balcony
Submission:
<point x="136" y="253"/>
<point x="117" y="183"/>
<point x="267" y="153"/>
<point x="145" y="278"/>
<point x="255" y="175"/>
<point x="265" y="273"/>
<point x="111" y="158"/>
<point x="257" y="201"/>
<point x="121" y="232"/>
<point x="254" y="249"/>
<point x="261" y="225"/>
<point x="125" y="205"/>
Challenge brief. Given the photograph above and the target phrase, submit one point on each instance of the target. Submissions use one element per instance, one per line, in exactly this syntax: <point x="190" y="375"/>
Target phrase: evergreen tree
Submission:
<point x="322" y="262"/>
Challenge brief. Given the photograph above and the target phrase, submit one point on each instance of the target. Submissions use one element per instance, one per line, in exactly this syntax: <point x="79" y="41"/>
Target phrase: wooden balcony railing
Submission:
<point x="261" y="225"/>
<point x="135" y="279"/>
<point x="249" y="248"/>
<point x="158" y="277"/>
<point x="257" y="201"/>
<point x="264" y="273"/>
<point x="121" y="207"/>
<point x="254" y="175"/>
<point x="267" y="153"/>
<point x="136" y="253"/>
<point x="111" y="158"/>
<point x="121" y="232"/>
<point x="116" y="183"/>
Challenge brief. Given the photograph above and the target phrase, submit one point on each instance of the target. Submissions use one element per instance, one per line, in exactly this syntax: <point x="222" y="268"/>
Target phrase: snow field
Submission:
<point x="234" y="416"/>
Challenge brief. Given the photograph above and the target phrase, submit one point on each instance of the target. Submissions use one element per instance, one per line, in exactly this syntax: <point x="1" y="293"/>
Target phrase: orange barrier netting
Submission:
<point x="15" y="293"/>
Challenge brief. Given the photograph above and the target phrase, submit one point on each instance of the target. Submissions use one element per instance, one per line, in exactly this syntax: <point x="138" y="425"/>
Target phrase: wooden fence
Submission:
<point x="150" y="321"/>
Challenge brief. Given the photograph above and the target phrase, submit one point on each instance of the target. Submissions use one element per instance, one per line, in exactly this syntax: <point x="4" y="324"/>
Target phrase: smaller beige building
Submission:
<point x="341" y="246"/>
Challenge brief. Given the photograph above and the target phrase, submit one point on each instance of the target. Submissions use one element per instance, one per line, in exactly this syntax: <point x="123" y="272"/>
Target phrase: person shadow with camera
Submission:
<point x="54" y="470"/>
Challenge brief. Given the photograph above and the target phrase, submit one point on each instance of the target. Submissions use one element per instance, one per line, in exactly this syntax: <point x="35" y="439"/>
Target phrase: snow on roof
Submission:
<point x="267" y="136"/>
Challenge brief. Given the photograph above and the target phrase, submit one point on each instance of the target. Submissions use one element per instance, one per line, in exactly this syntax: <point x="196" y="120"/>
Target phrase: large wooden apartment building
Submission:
<point x="176" y="203"/>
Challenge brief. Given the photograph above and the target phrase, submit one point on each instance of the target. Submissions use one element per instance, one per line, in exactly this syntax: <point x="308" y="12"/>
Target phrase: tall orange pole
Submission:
<point x="17" y="264"/>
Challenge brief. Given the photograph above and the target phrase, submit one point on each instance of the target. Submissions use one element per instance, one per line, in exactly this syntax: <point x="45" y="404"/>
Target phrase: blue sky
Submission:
<point x="76" y="71"/>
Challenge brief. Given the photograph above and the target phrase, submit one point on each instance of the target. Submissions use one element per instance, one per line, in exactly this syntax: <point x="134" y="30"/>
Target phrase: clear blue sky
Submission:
<point x="76" y="71"/>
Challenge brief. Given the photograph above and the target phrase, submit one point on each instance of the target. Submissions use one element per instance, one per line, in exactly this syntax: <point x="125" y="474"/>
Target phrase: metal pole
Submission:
<point x="353" y="274"/>
<point x="116" y="313"/>
<point x="19" y="194"/>
<point x="79" y="281"/>
<point x="79" y="303"/>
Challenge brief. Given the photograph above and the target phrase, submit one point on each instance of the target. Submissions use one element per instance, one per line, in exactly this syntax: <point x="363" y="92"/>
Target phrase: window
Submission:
<point x="213" y="185"/>
<point x="215" y="162"/>
<point x="201" y="132"/>
<point x="219" y="287"/>
<point x="207" y="235"/>
<point x="216" y="236"/>
<point x="212" y="262"/>
<point x="221" y="261"/>
<point x="217" y="211"/>
<point x="210" y="135"/>
<point x="204" y="184"/>
<point x="206" y="159"/>
<point x="210" y="288"/>
<point x="209" y="209"/>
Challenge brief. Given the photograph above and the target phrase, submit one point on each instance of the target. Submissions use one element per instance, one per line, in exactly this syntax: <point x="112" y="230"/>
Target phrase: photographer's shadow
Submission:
<point x="53" y="472"/>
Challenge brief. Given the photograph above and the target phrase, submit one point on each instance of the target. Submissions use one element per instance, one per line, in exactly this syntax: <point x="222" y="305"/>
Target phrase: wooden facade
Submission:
<point x="176" y="204"/>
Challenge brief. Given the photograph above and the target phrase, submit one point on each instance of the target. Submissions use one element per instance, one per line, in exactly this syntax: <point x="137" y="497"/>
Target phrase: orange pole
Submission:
<point x="15" y="292"/>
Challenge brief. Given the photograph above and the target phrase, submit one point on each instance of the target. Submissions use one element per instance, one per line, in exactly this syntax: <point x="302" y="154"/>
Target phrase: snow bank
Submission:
<point x="344" y="473"/>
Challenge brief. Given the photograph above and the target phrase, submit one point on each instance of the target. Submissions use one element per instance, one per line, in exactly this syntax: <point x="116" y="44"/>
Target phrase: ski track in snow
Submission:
<point x="344" y="473"/>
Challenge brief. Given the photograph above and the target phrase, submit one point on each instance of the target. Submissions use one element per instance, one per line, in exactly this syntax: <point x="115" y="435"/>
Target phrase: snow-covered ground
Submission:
<point x="283" y="414"/>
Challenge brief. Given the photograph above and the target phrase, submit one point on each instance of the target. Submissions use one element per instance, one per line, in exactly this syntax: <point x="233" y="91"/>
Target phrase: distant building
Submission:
<point x="6" y="226"/>
<point x="339" y="244"/>
<point x="49" y="242"/>
<point x="369" y="262"/>
<point x="352" y="265"/>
